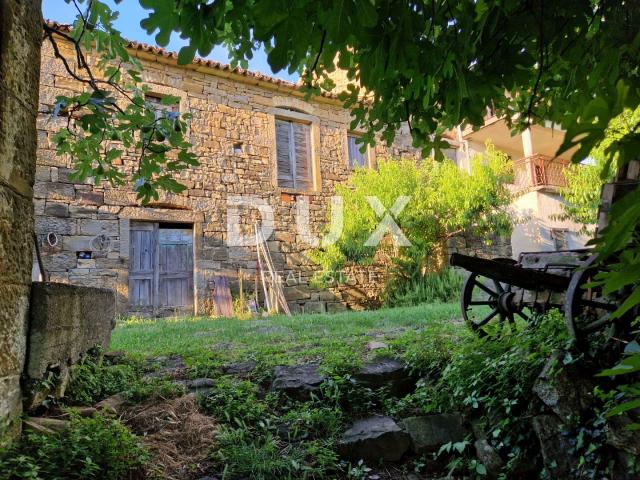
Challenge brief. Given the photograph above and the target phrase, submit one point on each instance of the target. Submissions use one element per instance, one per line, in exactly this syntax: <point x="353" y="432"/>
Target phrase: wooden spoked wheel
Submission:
<point x="488" y="305"/>
<point x="587" y="310"/>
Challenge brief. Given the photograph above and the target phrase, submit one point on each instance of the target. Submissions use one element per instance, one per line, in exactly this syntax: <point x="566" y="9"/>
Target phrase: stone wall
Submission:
<point x="492" y="247"/>
<point x="20" y="37"/>
<point x="233" y="133"/>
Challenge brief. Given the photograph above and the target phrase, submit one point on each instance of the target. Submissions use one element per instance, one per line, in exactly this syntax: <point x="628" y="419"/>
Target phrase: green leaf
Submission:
<point x="170" y="100"/>
<point x="624" y="407"/>
<point x="626" y="366"/>
<point x="186" y="55"/>
<point x="366" y="13"/>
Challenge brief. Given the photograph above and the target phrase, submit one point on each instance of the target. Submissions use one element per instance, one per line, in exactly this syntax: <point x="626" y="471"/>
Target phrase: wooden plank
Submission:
<point x="156" y="272"/>
<point x="511" y="274"/>
<point x="222" y="297"/>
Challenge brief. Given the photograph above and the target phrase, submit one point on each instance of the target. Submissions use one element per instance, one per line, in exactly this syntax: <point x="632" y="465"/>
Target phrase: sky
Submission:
<point x="129" y="25"/>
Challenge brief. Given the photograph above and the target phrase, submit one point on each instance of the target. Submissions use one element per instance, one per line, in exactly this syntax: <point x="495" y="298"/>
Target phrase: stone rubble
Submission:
<point x="374" y="439"/>
<point x="297" y="381"/>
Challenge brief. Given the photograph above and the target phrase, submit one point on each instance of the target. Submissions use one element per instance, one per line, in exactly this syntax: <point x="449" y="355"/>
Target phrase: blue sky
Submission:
<point x="129" y="24"/>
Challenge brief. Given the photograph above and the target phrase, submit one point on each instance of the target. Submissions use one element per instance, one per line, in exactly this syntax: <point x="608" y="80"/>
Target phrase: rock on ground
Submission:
<point x="240" y="368"/>
<point x="430" y="432"/>
<point x="386" y="372"/>
<point x="489" y="458"/>
<point x="554" y="447"/>
<point x="115" y="357"/>
<point x="619" y="436"/>
<point x="565" y="389"/>
<point x="172" y="367"/>
<point x="113" y="404"/>
<point x="297" y="381"/>
<point x="45" y="425"/>
<point x="374" y="439"/>
<point x="375" y="345"/>
<point x="199" y="383"/>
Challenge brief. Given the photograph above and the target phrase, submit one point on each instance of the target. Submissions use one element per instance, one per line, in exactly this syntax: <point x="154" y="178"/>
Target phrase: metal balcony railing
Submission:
<point x="539" y="171"/>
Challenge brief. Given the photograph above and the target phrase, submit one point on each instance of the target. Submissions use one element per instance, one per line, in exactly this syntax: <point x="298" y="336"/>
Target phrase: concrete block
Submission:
<point x="66" y="322"/>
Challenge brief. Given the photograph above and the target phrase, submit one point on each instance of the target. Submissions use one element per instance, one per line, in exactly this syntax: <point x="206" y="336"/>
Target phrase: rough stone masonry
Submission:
<point x="84" y="230"/>
<point x="20" y="39"/>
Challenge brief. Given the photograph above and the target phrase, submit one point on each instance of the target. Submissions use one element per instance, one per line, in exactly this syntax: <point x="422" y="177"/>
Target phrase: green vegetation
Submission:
<point x="442" y="201"/>
<point x="337" y="339"/>
<point x="267" y="435"/>
<point x="264" y="434"/>
<point x="584" y="182"/>
<point x="443" y="286"/>
<point x="95" y="379"/>
<point x="493" y="380"/>
<point x="88" y="448"/>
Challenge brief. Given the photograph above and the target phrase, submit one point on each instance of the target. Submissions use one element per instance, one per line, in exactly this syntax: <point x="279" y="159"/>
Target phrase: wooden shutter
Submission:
<point x="283" y="152"/>
<point x="293" y="149"/>
<point x="302" y="150"/>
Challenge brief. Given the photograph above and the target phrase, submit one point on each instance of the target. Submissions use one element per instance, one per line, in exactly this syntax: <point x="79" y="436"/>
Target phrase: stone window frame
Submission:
<point x="370" y="154"/>
<point x="292" y="111"/>
<point x="159" y="90"/>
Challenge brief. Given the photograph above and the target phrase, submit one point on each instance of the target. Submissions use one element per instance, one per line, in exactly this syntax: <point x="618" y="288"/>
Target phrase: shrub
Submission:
<point x="89" y="448"/>
<point x="93" y="381"/>
<point x="493" y="379"/>
<point x="235" y="401"/>
<point x="490" y="380"/>
<point x="444" y="201"/>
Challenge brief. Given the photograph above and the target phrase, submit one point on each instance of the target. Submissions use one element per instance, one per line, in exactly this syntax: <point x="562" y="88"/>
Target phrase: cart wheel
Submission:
<point x="586" y="309"/>
<point x="487" y="304"/>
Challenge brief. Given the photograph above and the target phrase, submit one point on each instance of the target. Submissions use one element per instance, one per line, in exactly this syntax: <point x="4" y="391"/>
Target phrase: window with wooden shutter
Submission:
<point x="156" y="102"/>
<point x="293" y="149"/>
<point x="356" y="157"/>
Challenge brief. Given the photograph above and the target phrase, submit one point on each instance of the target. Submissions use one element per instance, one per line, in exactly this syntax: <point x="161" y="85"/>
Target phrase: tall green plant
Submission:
<point x="441" y="286"/>
<point x="444" y="201"/>
<point x="584" y="182"/>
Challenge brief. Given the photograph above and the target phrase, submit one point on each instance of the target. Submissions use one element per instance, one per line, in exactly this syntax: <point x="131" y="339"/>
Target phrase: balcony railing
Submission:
<point x="539" y="171"/>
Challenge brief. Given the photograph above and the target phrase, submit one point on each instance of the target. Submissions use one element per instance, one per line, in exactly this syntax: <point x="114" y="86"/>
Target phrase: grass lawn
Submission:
<point x="336" y="341"/>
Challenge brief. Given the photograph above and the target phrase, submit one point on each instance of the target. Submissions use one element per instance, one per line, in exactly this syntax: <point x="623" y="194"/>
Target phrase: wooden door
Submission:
<point x="175" y="268"/>
<point x="160" y="267"/>
<point x="142" y="254"/>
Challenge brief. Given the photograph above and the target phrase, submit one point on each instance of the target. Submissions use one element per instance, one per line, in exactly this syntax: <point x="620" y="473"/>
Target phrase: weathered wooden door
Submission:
<point x="142" y="265"/>
<point x="160" y="267"/>
<point x="175" y="268"/>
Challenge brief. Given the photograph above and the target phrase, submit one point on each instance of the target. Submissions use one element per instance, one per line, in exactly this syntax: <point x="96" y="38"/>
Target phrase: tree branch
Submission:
<point x="534" y="93"/>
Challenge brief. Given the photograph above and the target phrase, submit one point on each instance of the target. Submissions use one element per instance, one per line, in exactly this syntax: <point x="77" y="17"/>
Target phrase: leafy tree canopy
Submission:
<point x="444" y="201"/>
<point x="435" y="63"/>
<point x="584" y="182"/>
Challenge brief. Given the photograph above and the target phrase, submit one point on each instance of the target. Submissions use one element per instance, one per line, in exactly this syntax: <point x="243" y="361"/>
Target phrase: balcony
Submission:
<point x="539" y="172"/>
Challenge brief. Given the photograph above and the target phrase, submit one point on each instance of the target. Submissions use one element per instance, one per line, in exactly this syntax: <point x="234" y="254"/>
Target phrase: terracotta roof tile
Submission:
<point x="225" y="67"/>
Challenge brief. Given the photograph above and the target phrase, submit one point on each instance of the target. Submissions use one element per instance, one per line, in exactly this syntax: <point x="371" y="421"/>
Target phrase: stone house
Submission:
<point x="167" y="255"/>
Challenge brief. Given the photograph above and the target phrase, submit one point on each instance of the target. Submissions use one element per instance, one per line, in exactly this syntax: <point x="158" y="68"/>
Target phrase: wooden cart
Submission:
<point x="501" y="291"/>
